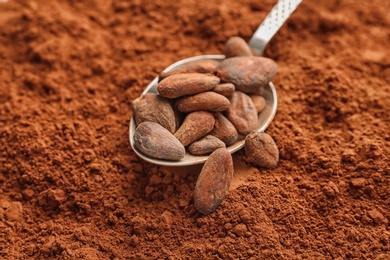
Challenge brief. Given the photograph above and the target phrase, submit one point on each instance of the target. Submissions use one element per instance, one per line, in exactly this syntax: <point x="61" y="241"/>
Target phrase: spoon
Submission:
<point x="274" y="20"/>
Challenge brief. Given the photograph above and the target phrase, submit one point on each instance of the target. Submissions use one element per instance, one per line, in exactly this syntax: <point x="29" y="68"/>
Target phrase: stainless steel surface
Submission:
<point x="260" y="39"/>
<point x="272" y="23"/>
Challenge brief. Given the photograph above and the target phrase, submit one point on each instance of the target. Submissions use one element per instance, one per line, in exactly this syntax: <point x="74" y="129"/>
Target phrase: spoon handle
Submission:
<point x="274" y="20"/>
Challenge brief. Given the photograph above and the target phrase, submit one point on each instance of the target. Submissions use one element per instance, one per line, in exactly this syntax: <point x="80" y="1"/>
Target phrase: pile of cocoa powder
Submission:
<point x="72" y="188"/>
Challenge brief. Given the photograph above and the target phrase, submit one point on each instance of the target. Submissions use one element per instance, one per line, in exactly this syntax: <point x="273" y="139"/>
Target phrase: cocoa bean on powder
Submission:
<point x="261" y="150"/>
<point x="214" y="181"/>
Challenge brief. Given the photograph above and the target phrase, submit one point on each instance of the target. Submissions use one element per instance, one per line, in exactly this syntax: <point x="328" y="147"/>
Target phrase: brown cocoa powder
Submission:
<point x="71" y="187"/>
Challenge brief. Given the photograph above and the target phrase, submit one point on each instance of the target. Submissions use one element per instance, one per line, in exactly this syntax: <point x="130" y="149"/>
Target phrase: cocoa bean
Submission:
<point x="209" y="101"/>
<point x="154" y="108"/>
<point x="242" y="113"/>
<point x="236" y="46"/>
<point x="224" y="129"/>
<point x="225" y="89"/>
<point x="157" y="142"/>
<point x="259" y="102"/>
<point x="186" y="84"/>
<point x="178" y="116"/>
<point x="248" y="74"/>
<point x="200" y="66"/>
<point x="214" y="181"/>
<point x="196" y="125"/>
<point x="261" y="150"/>
<point x="206" y="145"/>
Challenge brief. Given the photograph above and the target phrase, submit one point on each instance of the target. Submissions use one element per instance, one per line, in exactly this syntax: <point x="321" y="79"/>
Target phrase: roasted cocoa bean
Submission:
<point x="214" y="181"/>
<point x="242" y="113"/>
<point x="200" y="66"/>
<point x="224" y="129"/>
<point x="205" y="145"/>
<point x="157" y="142"/>
<point x="209" y="101"/>
<point x="186" y="84"/>
<point x="225" y="89"/>
<point x="196" y="125"/>
<point x="261" y="150"/>
<point x="248" y="74"/>
<point x="154" y="108"/>
<point x="237" y="46"/>
<point x="259" y="102"/>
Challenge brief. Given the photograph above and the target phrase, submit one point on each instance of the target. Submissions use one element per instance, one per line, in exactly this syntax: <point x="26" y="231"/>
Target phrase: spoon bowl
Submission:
<point x="265" y="117"/>
<point x="267" y="29"/>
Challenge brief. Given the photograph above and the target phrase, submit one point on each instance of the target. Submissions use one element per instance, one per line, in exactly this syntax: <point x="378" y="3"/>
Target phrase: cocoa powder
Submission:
<point x="72" y="188"/>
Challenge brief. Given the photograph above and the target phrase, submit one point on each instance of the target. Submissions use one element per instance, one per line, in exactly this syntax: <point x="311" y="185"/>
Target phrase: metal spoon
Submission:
<point x="274" y="20"/>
